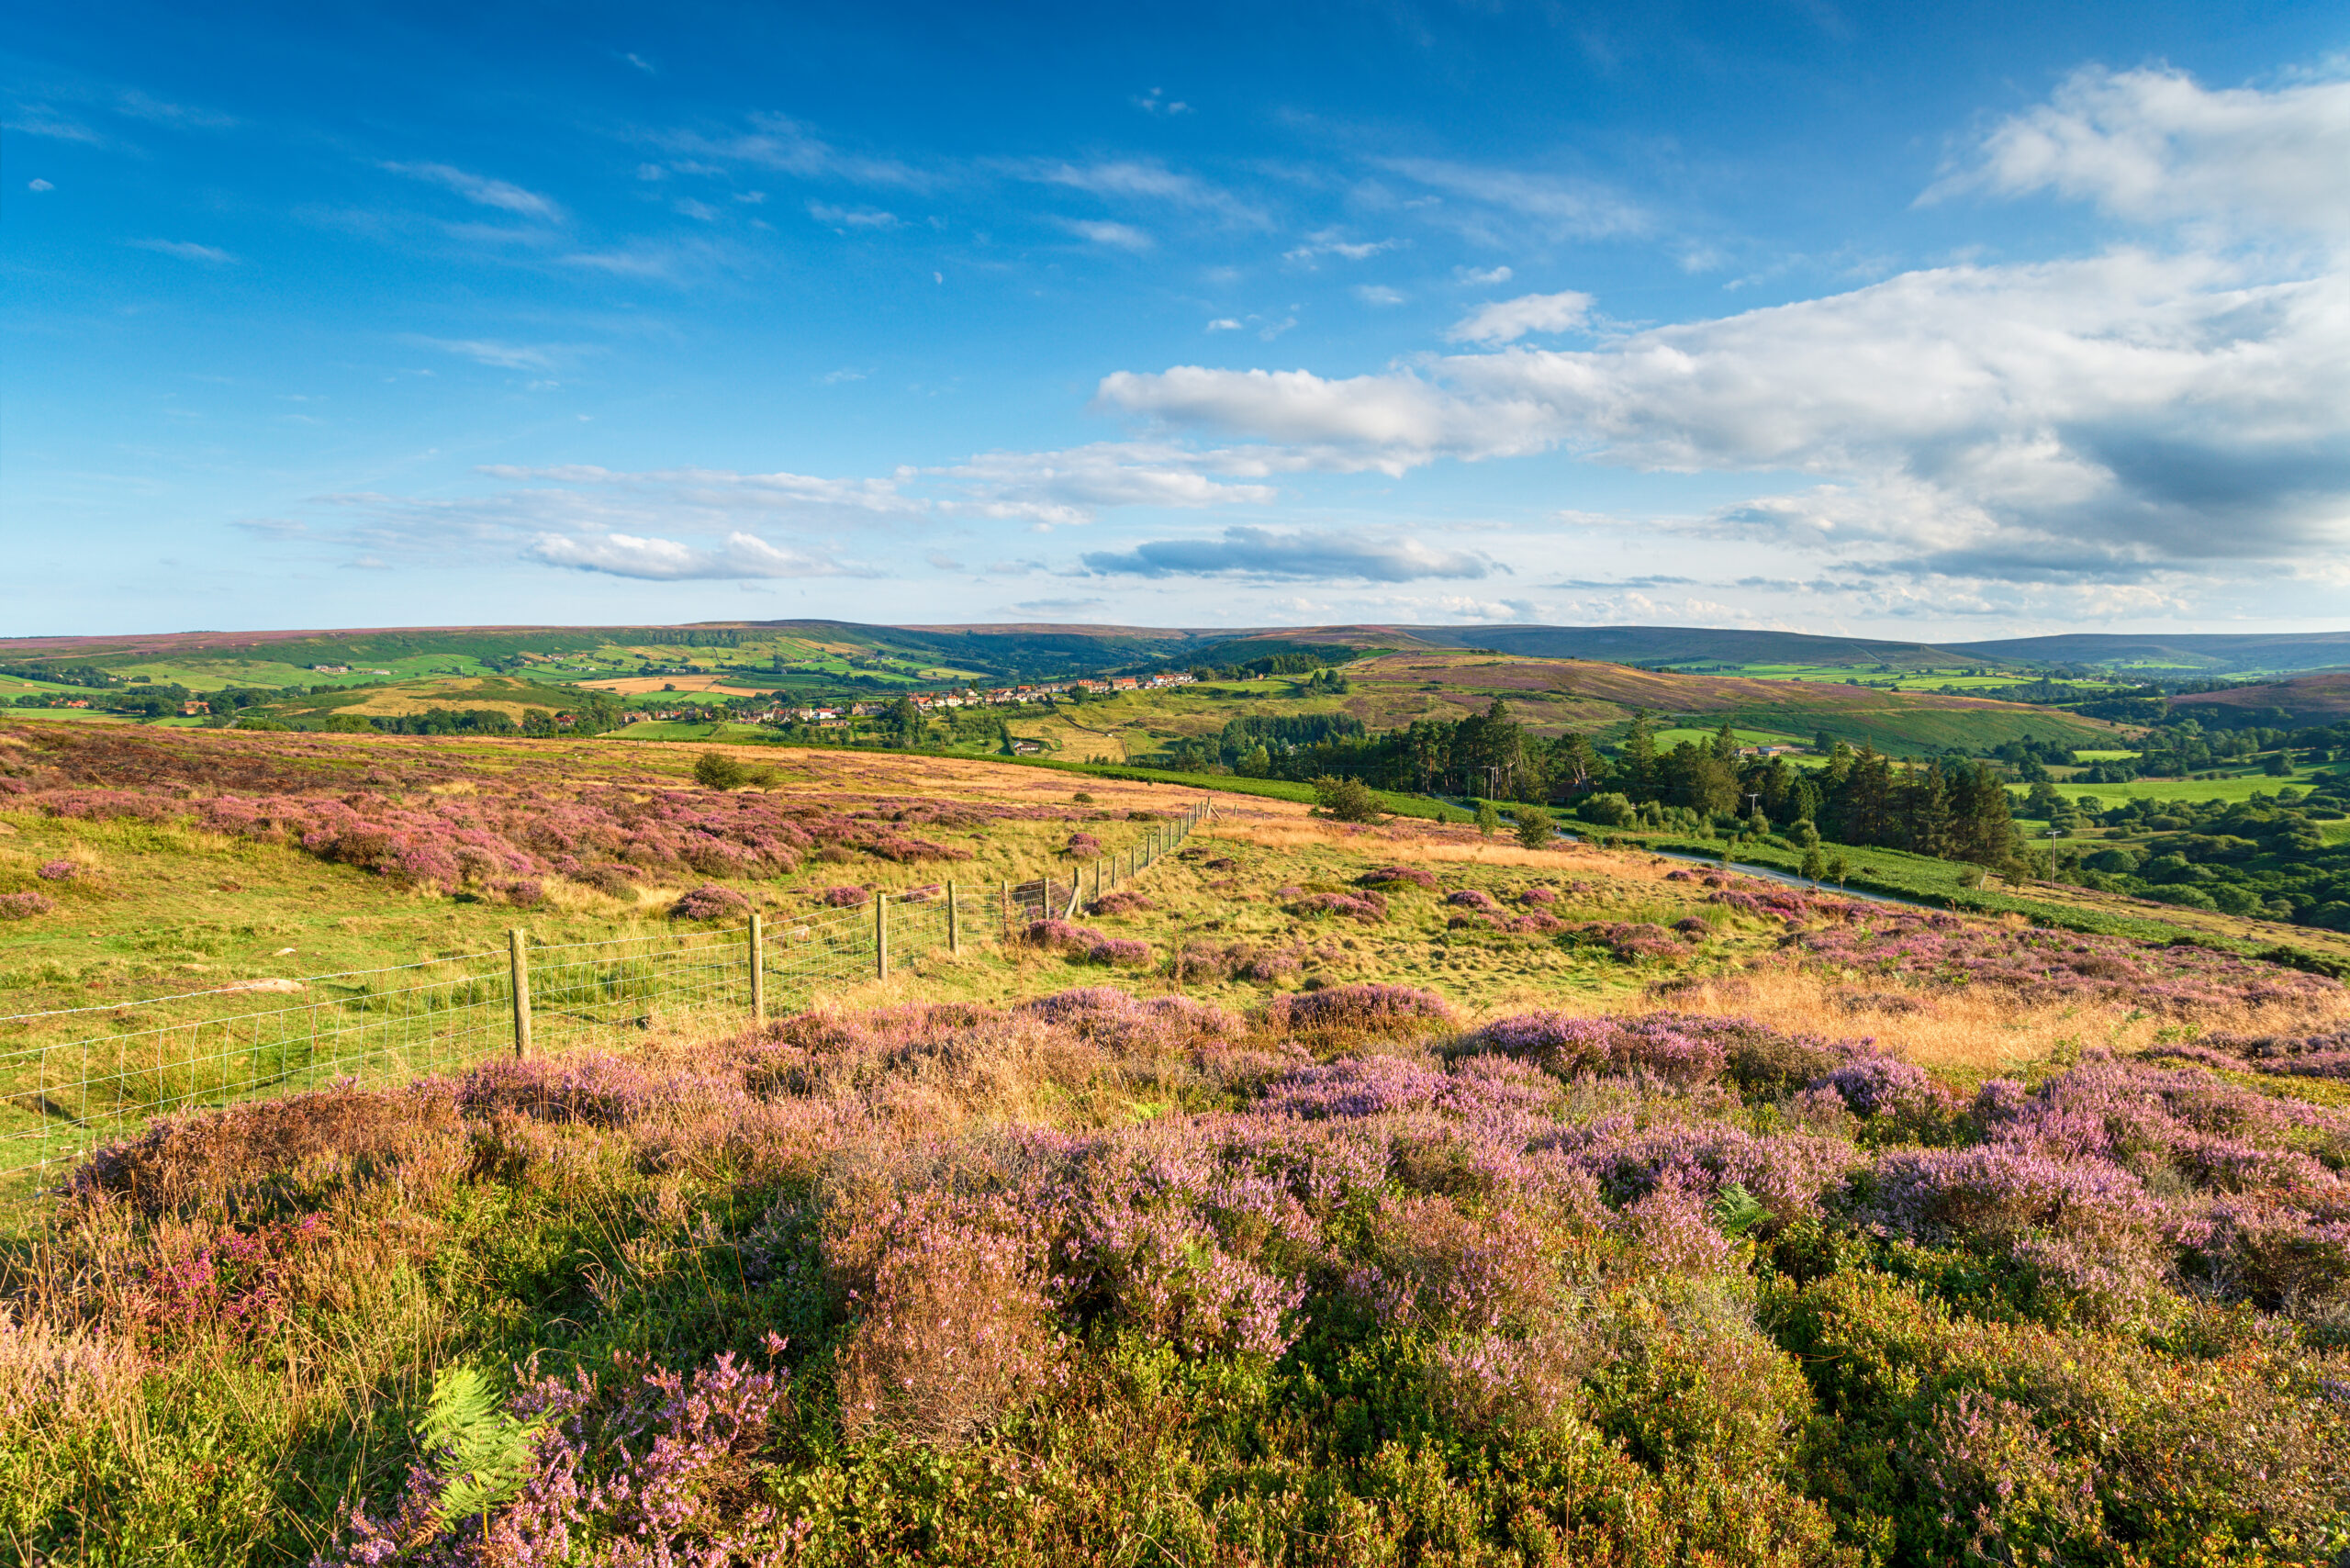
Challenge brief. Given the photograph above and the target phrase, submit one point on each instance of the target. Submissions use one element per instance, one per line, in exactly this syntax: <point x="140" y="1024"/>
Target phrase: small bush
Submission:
<point x="1387" y="875"/>
<point x="716" y="770"/>
<point x="58" y="871"/>
<point x="843" y="896"/>
<point x="1347" y="800"/>
<point x="708" y="902"/>
<point x="1358" y="1009"/>
<point x="24" y="906"/>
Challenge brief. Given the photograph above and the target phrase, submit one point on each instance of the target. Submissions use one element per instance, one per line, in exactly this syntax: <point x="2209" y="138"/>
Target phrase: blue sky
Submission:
<point x="1911" y="321"/>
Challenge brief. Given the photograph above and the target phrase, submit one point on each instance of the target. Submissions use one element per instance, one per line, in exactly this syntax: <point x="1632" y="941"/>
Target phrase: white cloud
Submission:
<point x="1491" y="277"/>
<point x="1328" y="243"/>
<point x="481" y="190"/>
<point x="784" y="144"/>
<point x="1559" y="205"/>
<point x="847" y="218"/>
<point x="1378" y="294"/>
<point x="1263" y="552"/>
<point x="1507" y="321"/>
<point x="1223" y="324"/>
<point x="185" y="250"/>
<point x="39" y="186"/>
<point x="1121" y="236"/>
<point x="1073" y="486"/>
<point x="689" y="208"/>
<point x="2124" y="410"/>
<point x="506" y="356"/>
<point x="2152" y="145"/>
<point x="39" y="119"/>
<point x="668" y="560"/>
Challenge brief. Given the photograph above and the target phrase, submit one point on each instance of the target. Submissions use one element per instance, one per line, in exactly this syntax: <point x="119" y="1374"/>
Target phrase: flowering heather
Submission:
<point x="24" y="906"/>
<point x="951" y="1283"/>
<point x="1388" y="876"/>
<point x="1940" y="949"/>
<point x="842" y="896"/>
<point x="1366" y="905"/>
<point x="1470" y="897"/>
<point x="1539" y="896"/>
<point x="708" y="902"/>
<point x="2298" y="1056"/>
<point x="1120" y="901"/>
<point x="1201" y="960"/>
<point x="57" y="871"/>
<point x="1083" y="941"/>
<point x="1082" y="846"/>
<point x="1629" y="942"/>
<point x="503" y="825"/>
<point x="1363" y="1009"/>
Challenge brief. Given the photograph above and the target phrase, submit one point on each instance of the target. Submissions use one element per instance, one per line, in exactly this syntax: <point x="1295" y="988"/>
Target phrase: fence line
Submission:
<point x="58" y="1100"/>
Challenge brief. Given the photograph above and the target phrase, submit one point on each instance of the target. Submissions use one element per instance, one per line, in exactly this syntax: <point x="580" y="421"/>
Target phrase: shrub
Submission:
<point x="1083" y="941"/>
<point x="716" y="770"/>
<point x="708" y="902"/>
<point x="1470" y="897"/>
<point x="57" y="871"/>
<point x="1365" y="905"/>
<point x="24" y="906"/>
<point x="1120" y="901"/>
<point x="1082" y="846"/>
<point x="1535" y="830"/>
<point x="843" y="896"/>
<point x="1345" y="799"/>
<point x="1386" y="876"/>
<point x="951" y="1328"/>
<point x="1358" y="1009"/>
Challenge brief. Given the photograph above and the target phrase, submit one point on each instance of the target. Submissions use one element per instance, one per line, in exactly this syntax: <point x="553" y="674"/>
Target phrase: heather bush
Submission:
<point x="1040" y="1280"/>
<point x="1120" y="901"/>
<point x="57" y="871"/>
<point x="1366" y="906"/>
<point x="1203" y="961"/>
<point x="1389" y="875"/>
<point x="24" y="906"/>
<point x="1470" y="897"/>
<point x="842" y="896"/>
<point x="710" y="901"/>
<point x="1083" y="942"/>
<point x="1375" y="1009"/>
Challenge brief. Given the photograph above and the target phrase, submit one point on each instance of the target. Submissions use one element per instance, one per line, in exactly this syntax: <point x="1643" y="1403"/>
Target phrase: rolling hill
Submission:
<point x="2310" y="699"/>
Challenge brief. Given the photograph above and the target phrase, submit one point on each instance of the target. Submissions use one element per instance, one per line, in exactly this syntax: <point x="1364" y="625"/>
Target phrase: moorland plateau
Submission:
<point x="1333" y="1193"/>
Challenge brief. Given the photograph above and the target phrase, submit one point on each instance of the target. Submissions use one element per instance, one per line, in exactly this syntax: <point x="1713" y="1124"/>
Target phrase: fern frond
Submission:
<point x="480" y="1454"/>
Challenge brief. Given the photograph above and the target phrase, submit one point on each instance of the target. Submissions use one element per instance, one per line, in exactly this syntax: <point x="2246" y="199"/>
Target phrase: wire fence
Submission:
<point x="77" y="1078"/>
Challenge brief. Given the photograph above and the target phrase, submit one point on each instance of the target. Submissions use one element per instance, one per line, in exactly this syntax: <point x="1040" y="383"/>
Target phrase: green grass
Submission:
<point x="2235" y="786"/>
<point x="1667" y="739"/>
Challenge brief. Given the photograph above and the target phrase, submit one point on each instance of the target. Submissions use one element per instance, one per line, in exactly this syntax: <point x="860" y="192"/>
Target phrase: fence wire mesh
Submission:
<point x="76" y="1077"/>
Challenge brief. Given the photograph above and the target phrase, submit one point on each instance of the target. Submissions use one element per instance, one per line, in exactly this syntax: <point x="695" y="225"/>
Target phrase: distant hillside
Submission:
<point x="1686" y="645"/>
<point x="2310" y="699"/>
<point x="1037" y="651"/>
<point x="1394" y="688"/>
<point x="2249" y="653"/>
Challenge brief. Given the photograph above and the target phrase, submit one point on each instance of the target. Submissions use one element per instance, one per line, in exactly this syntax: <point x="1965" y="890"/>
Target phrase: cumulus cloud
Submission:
<point x="1506" y="320"/>
<point x="481" y="190"/>
<point x="668" y="560"/>
<point x="1263" y="552"/>
<point x="2139" y="408"/>
<point x="2152" y="145"/>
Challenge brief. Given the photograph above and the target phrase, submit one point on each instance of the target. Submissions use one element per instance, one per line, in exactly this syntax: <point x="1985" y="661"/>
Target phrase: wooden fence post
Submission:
<point x="954" y="932"/>
<point x="758" y="970"/>
<point x="519" y="963"/>
<point x="882" y="936"/>
<point x="1007" y="911"/>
